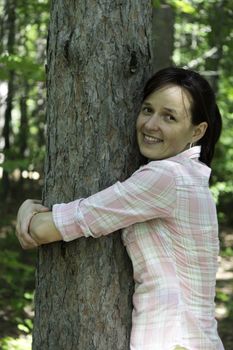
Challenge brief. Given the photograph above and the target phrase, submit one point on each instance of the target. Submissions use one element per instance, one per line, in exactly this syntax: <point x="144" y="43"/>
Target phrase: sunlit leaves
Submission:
<point x="21" y="343"/>
<point x="184" y="6"/>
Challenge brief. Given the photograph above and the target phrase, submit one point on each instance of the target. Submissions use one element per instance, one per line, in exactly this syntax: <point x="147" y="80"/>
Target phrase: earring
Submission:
<point x="190" y="145"/>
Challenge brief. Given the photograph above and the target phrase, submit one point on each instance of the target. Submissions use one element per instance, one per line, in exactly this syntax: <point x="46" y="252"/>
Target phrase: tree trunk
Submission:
<point x="99" y="57"/>
<point x="6" y="133"/>
<point x="217" y="39"/>
<point x="23" y="133"/>
<point x="163" y="36"/>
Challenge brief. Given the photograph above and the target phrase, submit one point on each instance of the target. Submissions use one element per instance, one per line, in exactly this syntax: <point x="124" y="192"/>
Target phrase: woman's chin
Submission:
<point x="150" y="154"/>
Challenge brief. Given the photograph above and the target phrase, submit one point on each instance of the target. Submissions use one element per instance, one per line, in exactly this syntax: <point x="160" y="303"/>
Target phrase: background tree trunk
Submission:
<point x="9" y="9"/>
<point x="23" y="133"/>
<point x="99" y="57"/>
<point x="216" y="39"/>
<point x="163" y="36"/>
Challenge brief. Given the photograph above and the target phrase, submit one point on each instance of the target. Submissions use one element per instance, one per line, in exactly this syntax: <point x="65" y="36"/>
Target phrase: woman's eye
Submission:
<point x="146" y="110"/>
<point x="169" y="117"/>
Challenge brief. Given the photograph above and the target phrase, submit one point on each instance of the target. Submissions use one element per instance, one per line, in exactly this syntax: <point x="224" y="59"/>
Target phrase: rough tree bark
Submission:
<point x="9" y="9"/>
<point x="23" y="132"/>
<point x="216" y="39"/>
<point x="163" y="36"/>
<point x="99" y="57"/>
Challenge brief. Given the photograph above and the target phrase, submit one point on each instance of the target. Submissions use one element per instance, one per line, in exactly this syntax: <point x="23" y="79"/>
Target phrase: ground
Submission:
<point x="224" y="288"/>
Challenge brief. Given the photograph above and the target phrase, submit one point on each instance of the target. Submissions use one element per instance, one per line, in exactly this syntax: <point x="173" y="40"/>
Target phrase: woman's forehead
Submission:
<point x="171" y="96"/>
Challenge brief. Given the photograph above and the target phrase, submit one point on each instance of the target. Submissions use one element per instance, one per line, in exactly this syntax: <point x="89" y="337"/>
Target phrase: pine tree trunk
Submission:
<point x="99" y="57"/>
<point x="163" y="36"/>
<point x="9" y="9"/>
<point x="23" y="133"/>
<point x="216" y="39"/>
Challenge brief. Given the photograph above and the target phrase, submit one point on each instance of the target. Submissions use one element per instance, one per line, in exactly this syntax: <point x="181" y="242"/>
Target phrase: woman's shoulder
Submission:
<point x="173" y="168"/>
<point x="163" y="165"/>
<point x="159" y="171"/>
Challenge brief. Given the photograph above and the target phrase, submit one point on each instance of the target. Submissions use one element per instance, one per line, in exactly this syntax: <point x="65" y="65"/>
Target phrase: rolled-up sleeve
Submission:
<point x="149" y="193"/>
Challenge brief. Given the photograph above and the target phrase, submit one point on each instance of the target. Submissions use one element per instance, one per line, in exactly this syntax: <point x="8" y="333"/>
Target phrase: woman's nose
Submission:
<point x="152" y="123"/>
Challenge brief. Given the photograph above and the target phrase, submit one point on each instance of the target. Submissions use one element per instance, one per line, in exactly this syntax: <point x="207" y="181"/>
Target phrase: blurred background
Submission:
<point x="195" y="34"/>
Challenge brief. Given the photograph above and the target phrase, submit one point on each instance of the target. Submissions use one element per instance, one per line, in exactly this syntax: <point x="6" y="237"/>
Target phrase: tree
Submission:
<point x="10" y="13"/>
<point x="99" y="57"/>
<point x="163" y="36"/>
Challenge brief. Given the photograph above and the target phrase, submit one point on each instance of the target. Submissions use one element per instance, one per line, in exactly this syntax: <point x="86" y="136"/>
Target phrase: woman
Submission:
<point x="167" y="214"/>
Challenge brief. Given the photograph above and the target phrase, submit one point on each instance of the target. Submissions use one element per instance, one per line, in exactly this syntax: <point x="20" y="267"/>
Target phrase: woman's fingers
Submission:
<point x="25" y="213"/>
<point x="25" y="219"/>
<point x="27" y="242"/>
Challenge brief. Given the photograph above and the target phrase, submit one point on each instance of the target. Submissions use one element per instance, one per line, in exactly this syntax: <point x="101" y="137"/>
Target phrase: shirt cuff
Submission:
<point x="66" y="222"/>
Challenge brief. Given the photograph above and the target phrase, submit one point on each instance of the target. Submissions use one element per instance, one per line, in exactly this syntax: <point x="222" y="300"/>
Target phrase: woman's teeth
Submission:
<point x="152" y="139"/>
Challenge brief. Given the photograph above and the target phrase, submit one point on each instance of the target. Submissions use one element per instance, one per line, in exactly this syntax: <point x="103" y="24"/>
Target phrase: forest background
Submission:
<point x="202" y="39"/>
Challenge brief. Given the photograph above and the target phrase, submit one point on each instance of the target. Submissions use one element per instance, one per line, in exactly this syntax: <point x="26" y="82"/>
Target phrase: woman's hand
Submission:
<point x="43" y="230"/>
<point x="25" y="214"/>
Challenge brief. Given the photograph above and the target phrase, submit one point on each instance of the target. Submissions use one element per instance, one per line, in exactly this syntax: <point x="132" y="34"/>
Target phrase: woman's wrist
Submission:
<point x="33" y="228"/>
<point x="42" y="228"/>
<point x="29" y="225"/>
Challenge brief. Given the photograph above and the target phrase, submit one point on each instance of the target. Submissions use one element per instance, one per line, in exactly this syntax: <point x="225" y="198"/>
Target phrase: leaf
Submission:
<point x="23" y="328"/>
<point x="222" y="296"/>
<point x="10" y="165"/>
<point x="182" y="6"/>
<point x="156" y="3"/>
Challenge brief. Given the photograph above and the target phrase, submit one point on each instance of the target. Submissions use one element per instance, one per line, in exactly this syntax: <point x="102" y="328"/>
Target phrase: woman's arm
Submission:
<point x="147" y="194"/>
<point x="42" y="229"/>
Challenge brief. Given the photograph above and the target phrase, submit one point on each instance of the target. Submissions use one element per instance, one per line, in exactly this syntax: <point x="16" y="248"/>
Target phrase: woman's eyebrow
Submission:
<point x="167" y="109"/>
<point x="146" y="103"/>
<point x="170" y="110"/>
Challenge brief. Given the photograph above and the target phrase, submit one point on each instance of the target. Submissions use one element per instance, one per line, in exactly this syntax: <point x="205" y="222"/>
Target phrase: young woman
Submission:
<point x="167" y="214"/>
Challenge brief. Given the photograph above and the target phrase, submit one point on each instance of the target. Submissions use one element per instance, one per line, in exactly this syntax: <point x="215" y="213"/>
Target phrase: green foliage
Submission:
<point x="24" y="66"/>
<point x="22" y="343"/>
<point x="17" y="283"/>
<point x="182" y="6"/>
<point x="221" y="296"/>
<point x="11" y="164"/>
<point x="16" y="275"/>
<point x="22" y="60"/>
<point x="227" y="252"/>
<point x="156" y="3"/>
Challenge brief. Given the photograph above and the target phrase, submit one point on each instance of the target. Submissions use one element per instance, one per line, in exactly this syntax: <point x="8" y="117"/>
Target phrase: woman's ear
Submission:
<point x="199" y="131"/>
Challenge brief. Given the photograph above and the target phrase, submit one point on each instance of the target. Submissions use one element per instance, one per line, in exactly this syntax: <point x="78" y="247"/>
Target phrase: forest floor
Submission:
<point x="224" y="289"/>
<point x="17" y="274"/>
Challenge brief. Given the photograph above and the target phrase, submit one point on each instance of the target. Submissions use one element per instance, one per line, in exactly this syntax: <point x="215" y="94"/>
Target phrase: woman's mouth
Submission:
<point x="151" y="139"/>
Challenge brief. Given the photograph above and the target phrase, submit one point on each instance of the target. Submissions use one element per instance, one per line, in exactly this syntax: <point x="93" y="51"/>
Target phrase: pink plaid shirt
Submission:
<point x="170" y="231"/>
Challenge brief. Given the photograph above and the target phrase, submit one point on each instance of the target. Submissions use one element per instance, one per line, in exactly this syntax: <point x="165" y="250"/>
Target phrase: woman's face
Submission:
<point x="164" y="126"/>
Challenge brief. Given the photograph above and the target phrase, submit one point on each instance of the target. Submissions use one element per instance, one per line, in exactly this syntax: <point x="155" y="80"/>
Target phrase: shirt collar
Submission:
<point x="193" y="152"/>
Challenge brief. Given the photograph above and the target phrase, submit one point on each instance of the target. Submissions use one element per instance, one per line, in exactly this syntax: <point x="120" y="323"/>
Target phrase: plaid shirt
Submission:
<point x="170" y="231"/>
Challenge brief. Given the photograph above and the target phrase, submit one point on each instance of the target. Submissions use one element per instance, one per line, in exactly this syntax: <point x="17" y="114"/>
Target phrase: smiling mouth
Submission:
<point x="151" y="139"/>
